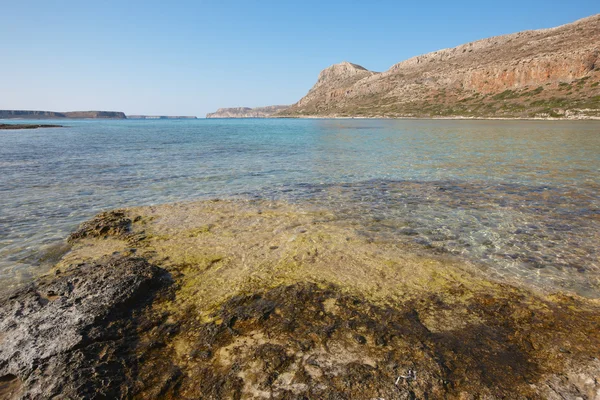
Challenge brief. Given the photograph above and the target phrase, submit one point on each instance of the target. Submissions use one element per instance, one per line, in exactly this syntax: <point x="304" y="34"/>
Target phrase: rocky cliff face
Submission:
<point x="25" y="114"/>
<point x="548" y="72"/>
<point x="246" y="112"/>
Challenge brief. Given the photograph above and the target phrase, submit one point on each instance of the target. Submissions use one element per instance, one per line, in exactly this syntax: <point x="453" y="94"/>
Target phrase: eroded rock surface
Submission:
<point x="304" y="341"/>
<point x="252" y="300"/>
<point x="73" y="334"/>
<point x="111" y="223"/>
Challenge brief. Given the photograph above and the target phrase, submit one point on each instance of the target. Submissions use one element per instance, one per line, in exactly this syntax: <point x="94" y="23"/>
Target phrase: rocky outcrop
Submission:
<point x="234" y="299"/>
<point x="72" y="334"/>
<point x="246" y="112"/>
<point x="548" y="72"/>
<point x="27" y="126"/>
<point x="23" y="114"/>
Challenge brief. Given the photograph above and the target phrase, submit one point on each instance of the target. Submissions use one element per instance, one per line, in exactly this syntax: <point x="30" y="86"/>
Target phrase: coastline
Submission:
<point x="450" y="118"/>
<point x="460" y="118"/>
<point x="248" y="298"/>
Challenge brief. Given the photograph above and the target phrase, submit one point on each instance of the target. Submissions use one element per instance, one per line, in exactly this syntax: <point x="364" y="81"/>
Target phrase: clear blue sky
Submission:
<point x="191" y="57"/>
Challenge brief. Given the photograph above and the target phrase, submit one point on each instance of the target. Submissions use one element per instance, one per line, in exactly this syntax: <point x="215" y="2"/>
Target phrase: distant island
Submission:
<point x="26" y="114"/>
<point x="547" y="73"/>
<point x="246" y="112"/>
<point x="161" y="117"/>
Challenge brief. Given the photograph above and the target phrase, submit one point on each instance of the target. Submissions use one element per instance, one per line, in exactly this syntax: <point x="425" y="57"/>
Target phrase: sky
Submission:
<point x="192" y="57"/>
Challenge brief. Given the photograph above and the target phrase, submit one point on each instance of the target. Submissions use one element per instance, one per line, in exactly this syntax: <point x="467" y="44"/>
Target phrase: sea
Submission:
<point x="518" y="198"/>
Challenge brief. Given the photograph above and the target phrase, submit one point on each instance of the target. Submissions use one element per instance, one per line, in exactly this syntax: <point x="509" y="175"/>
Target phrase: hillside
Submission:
<point x="246" y="112"/>
<point x="543" y="73"/>
<point x="25" y="114"/>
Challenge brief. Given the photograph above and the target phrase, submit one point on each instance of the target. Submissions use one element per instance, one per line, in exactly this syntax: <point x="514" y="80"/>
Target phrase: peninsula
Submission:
<point x="161" y="117"/>
<point x="532" y="74"/>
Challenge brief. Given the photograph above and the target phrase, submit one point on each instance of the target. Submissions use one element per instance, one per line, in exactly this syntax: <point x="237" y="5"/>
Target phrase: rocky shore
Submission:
<point x="255" y="299"/>
<point x="27" y="126"/>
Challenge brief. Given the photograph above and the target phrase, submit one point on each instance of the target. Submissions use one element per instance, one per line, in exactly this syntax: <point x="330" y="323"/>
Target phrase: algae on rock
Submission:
<point x="270" y="300"/>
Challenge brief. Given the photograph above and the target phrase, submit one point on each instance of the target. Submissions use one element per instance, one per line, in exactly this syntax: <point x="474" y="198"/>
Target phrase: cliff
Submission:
<point x="550" y="72"/>
<point x="25" y="114"/>
<point x="246" y="112"/>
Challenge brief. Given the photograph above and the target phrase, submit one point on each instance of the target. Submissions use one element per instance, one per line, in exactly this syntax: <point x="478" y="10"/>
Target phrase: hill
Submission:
<point x="543" y="73"/>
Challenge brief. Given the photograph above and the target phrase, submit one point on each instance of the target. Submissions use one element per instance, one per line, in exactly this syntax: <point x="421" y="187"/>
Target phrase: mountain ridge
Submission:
<point x="552" y="72"/>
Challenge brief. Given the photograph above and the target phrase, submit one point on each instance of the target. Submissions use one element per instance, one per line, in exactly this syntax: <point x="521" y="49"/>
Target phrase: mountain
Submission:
<point x="23" y="114"/>
<point x="246" y="112"/>
<point x="543" y="73"/>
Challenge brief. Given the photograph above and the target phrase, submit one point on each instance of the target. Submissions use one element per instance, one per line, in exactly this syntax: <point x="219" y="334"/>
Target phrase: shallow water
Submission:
<point x="519" y="197"/>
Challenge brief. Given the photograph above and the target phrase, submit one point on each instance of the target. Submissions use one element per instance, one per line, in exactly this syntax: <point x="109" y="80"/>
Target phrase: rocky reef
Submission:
<point x="27" y="126"/>
<point x="246" y="112"/>
<point x="548" y="73"/>
<point x="23" y="114"/>
<point x="257" y="299"/>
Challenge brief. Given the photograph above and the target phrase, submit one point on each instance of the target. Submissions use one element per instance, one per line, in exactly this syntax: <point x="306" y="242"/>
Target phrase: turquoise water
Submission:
<point x="520" y="198"/>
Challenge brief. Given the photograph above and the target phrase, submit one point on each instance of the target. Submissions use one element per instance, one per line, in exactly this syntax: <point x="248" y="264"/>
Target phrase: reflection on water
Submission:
<point x="522" y="197"/>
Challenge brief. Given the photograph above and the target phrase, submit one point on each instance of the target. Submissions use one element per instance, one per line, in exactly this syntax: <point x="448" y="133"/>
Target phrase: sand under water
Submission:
<point x="267" y="299"/>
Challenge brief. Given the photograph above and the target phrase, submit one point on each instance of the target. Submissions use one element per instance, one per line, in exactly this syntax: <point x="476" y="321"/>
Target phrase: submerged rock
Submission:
<point x="245" y="306"/>
<point x="111" y="223"/>
<point x="27" y="126"/>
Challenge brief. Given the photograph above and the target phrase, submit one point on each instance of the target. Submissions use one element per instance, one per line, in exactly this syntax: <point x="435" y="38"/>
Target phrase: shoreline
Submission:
<point x="587" y="118"/>
<point x="239" y="298"/>
<point x="590" y="118"/>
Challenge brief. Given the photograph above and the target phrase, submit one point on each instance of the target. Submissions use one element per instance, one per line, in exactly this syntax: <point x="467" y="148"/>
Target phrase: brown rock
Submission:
<point x="518" y="75"/>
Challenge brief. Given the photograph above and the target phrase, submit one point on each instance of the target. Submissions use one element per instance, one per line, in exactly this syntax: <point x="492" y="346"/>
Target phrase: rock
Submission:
<point x="71" y="335"/>
<point x="27" y="126"/>
<point x="111" y="223"/>
<point x="549" y="72"/>
<point x="225" y="317"/>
